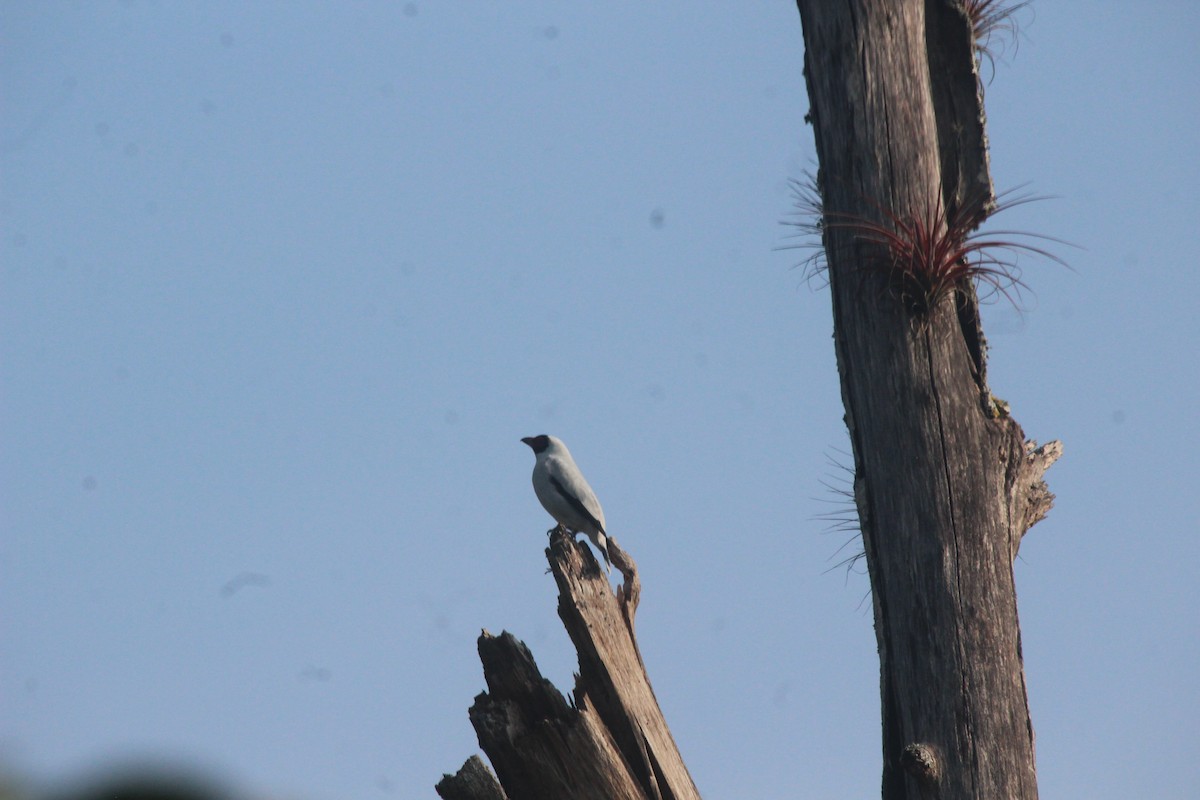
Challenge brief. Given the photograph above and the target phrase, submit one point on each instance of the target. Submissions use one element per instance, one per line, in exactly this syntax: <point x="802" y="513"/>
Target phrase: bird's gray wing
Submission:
<point x="580" y="497"/>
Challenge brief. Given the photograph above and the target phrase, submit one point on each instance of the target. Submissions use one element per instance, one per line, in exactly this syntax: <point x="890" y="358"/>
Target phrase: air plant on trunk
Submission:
<point x="992" y="21"/>
<point x="928" y="256"/>
<point x="842" y="518"/>
<point x="809" y="222"/>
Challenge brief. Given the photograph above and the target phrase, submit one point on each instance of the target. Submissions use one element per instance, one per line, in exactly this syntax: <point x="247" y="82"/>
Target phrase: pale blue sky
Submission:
<point x="283" y="285"/>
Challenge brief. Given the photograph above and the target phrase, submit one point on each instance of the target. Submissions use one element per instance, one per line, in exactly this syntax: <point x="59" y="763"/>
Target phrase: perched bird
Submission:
<point x="564" y="492"/>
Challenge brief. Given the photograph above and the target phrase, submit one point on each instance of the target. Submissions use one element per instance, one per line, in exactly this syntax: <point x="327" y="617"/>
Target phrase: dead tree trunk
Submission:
<point x="611" y="740"/>
<point x="945" y="483"/>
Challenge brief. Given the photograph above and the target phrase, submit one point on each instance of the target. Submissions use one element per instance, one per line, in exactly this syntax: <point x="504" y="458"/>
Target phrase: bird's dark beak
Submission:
<point x="537" y="443"/>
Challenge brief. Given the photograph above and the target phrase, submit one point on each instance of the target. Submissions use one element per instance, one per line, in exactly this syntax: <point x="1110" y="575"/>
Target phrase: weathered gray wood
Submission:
<point x="539" y="745"/>
<point x="473" y="781"/>
<point x="612" y="675"/>
<point x="611" y="741"/>
<point x="957" y="96"/>
<point x="945" y="490"/>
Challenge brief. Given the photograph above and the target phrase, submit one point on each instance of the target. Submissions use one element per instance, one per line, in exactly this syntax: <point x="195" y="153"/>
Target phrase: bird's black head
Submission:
<point x="537" y="443"/>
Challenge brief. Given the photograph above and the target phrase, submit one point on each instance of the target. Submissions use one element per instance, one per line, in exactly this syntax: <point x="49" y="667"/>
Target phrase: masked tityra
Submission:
<point x="561" y="488"/>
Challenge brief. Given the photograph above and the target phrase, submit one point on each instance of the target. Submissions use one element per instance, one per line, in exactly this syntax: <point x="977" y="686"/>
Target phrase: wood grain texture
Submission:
<point x="473" y="781"/>
<point x="610" y="740"/>
<point x="945" y="490"/>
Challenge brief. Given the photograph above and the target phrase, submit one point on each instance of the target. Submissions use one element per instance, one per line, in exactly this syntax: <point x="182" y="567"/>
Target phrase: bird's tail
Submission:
<point x="601" y="542"/>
